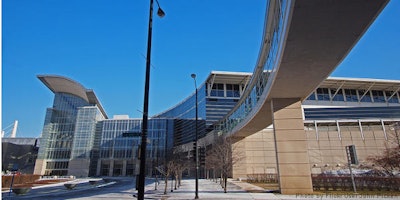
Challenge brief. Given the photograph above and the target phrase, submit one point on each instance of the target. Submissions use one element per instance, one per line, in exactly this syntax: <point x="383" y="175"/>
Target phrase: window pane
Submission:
<point x="323" y="94"/>
<point x="312" y="96"/>
<point x="366" y="97"/>
<point x="378" y="96"/>
<point x="338" y="96"/>
<point x="394" y="98"/>
<point x="351" y="95"/>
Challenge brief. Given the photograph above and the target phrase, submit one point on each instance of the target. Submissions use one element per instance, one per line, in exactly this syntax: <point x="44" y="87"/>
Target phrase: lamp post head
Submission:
<point x="193" y="76"/>
<point x="160" y="12"/>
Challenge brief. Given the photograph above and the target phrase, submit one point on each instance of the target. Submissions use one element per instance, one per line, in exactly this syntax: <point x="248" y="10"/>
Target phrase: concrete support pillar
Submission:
<point x="40" y="166"/>
<point x="291" y="147"/>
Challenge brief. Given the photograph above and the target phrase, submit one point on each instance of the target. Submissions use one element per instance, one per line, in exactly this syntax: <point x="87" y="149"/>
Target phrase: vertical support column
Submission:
<point x="384" y="130"/>
<point x="339" y="131"/>
<point x="40" y="166"/>
<point x="316" y="130"/>
<point x="291" y="147"/>
<point x="361" y="130"/>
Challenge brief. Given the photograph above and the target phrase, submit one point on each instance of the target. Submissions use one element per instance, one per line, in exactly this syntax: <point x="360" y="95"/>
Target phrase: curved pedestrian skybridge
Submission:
<point x="303" y="42"/>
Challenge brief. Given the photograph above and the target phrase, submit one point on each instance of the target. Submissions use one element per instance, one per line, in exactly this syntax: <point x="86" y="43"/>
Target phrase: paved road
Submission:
<point x="82" y="190"/>
<point x="123" y="188"/>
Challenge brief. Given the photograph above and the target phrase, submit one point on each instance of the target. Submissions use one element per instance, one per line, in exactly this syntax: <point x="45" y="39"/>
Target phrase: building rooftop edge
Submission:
<point x="363" y="79"/>
<point x="58" y="83"/>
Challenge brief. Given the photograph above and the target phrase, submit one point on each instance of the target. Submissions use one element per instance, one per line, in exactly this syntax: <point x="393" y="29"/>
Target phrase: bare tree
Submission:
<point x="224" y="156"/>
<point x="394" y="135"/>
<point x="211" y="164"/>
<point x="174" y="165"/>
<point x="167" y="169"/>
<point x="388" y="161"/>
<point x="180" y="164"/>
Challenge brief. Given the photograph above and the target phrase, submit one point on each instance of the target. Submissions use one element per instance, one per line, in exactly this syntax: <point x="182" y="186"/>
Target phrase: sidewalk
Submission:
<point x="208" y="189"/>
<point x="239" y="190"/>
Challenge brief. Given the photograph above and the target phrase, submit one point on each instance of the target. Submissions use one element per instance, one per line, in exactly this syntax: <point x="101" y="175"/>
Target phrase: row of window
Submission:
<point x="352" y="113"/>
<point x="58" y="154"/>
<point x="59" y="143"/>
<point x="329" y="132"/>
<point x="57" y="165"/>
<point x="127" y="153"/>
<point x="187" y="108"/>
<point x="353" y="95"/>
<point x="117" y="169"/>
<point x="218" y="90"/>
<point x="55" y="172"/>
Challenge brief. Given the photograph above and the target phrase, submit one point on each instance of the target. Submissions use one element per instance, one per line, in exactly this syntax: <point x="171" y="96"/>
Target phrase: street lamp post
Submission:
<point x="196" y="139"/>
<point x="146" y="103"/>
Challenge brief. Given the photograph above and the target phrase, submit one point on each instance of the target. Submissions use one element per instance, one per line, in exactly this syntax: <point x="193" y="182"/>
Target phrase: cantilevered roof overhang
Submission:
<point x="361" y="83"/>
<point x="63" y="84"/>
<point x="229" y="77"/>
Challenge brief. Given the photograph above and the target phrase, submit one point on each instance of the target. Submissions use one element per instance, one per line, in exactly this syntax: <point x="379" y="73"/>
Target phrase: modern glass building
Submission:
<point x="79" y="139"/>
<point x="69" y="128"/>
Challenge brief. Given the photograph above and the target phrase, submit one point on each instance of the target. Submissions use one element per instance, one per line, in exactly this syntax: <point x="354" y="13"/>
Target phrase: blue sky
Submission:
<point x="102" y="45"/>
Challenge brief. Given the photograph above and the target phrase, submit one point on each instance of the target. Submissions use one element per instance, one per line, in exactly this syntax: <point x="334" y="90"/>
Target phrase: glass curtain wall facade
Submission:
<point x="184" y="118"/>
<point x="83" y="143"/>
<point x="215" y="100"/>
<point x="57" y="142"/>
<point x="216" y="97"/>
<point x="118" y="153"/>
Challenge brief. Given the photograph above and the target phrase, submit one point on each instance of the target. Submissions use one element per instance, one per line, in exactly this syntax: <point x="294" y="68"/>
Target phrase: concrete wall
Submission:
<point x="259" y="155"/>
<point x="327" y="145"/>
<point x="39" y="167"/>
<point x="326" y="149"/>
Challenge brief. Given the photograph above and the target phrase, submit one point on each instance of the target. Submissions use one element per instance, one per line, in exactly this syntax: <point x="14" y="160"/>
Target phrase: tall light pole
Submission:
<point x="142" y="171"/>
<point x="196" y="145"/>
